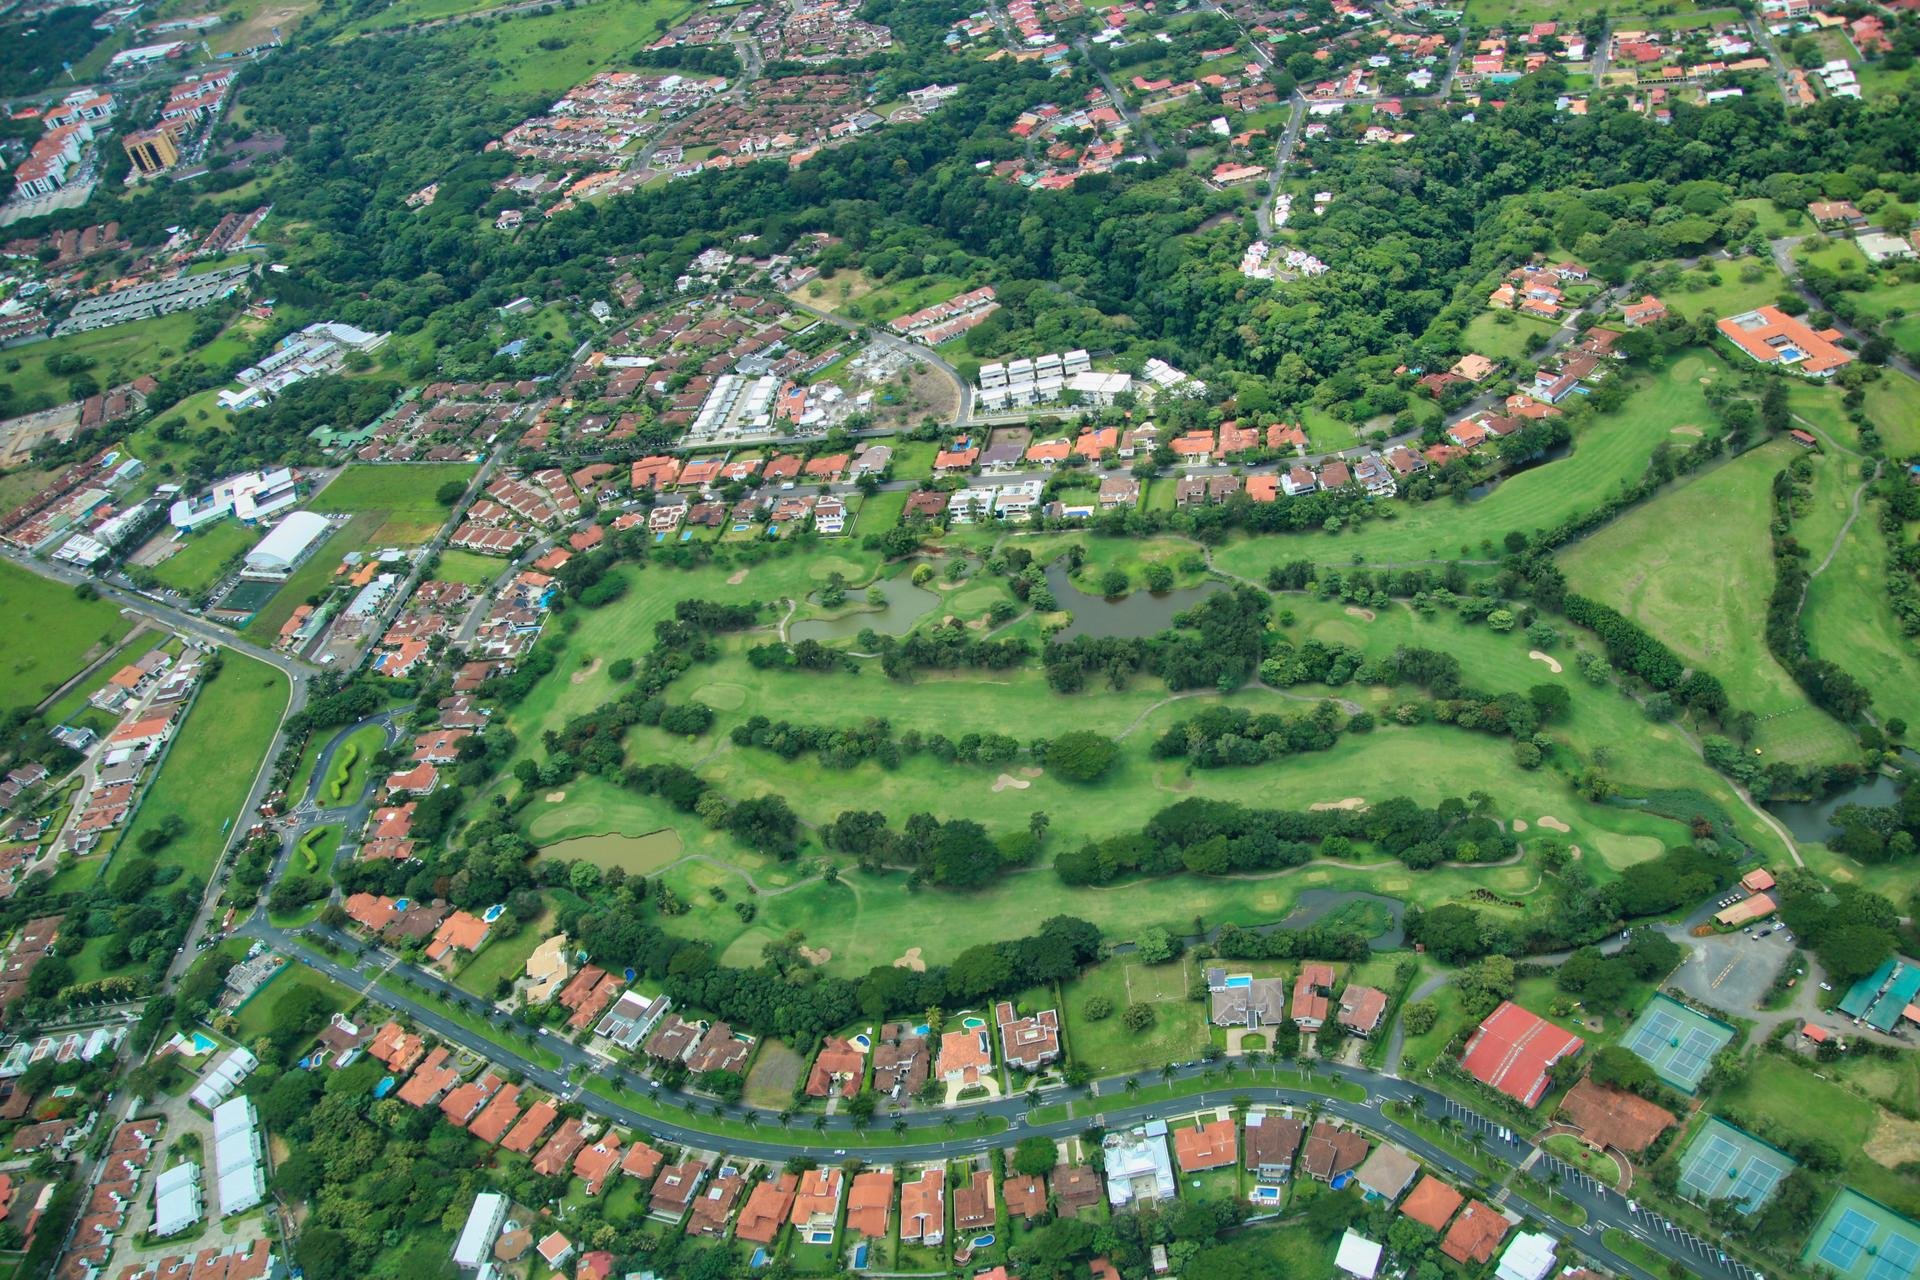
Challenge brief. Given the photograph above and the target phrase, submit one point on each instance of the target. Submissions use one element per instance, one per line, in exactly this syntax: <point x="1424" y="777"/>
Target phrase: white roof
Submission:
<point x="289" y="540"/>
<point x="241" y="1188"/>
<point x="483" y="1224"/>
<point x="1358" y="1256"/>
<point x="233" y="1116"/>
<point x="1529" y="1257"/>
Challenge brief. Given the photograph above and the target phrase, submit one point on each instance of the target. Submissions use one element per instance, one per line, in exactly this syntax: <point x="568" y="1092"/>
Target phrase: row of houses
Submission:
<point x="1242" y="1000"/>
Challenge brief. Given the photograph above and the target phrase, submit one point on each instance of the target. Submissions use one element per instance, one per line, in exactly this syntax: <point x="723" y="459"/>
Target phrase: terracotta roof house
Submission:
<point x="1330" y="1152"/>
<point x="673" y="1190"/>
<point x="1432" y="1203"/>
<point x="965" y="1055"/>
<point x="641" y="1160"/>
<point x="973" y="1202"/>
<point x="464" y="1102"/>
<point x="901" y="1060"/>
<point x="1213" y="1145"/>
<point x="526" y="1134"/>
<point x="837" y="1068"/>
<point x="1759" y="880"/>
<point x="766" y="1210"/>
<point x="396" y="1047"/>
<point x="1649" y="310"/>
<point x="596" y="1163"/>
<point x="869" y="1202"/>
<point x="1747" y="910"/>
<point x="1513" y="1050"/>
<point x="1608" y="1117"/>
<point x="556" y="1156"/>
<point x="1361" y="1009"/>
<point x="1272" y="1142"/>
<point x="1475" y="1234"/>
<point x="1028" y="1043"/>
<point x="498" y="1116"/>
<point x="923" y="1208"/>
<point x="554" y="1249"/>
<point x="458" y="932"/>
<point x="1025" y="1197"/>
<point x="712" y="1207"/>
<point x="435" y="1076"/>
<point x="1335" y="474"/>
<point x="1075" y="1188"/>
<point x="816" y="1202"/>
<point x="1310" y="991"/>
<point x="1770" y="336"/>
<point x="719" y="1050"/>
<point x="673" y="1039"/>
<point x="1473" y="367"/>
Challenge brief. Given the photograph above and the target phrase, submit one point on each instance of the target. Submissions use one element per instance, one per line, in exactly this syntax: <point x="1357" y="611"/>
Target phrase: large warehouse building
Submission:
<point x="291" y="541"/>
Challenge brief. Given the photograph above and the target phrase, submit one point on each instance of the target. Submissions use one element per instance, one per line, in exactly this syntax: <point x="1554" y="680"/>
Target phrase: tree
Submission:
<point x="1138" y="1017"/>
<point x="1420" y="1017"/>
<point x="450" y="492"/>
<point x="1096" y="1008"/>
<point x="1081" y="755"/>
<point x="1157" y="946"/>
<point x="1034" y="1157"/>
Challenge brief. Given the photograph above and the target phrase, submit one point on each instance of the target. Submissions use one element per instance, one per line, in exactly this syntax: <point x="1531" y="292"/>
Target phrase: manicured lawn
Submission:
<point x="197" y="565"/>
<point x="1106" y="1046"/>
<point x="256" y="1016"/>
<point x="67" y="633"/>
<point x="74" y="701"/>
<point x="120" y="354"/>
<point x="503" y="958"/>
<point x="1494" y="13"/>
<point x="1648" y="565"/>
<point x="403" y="497"/>
<point x="211" y="763"/>
<point x="465" y="566"/>
<point x="347" y="771"/>
<point x="1724" y="288"/>
<point x="1797" y="1102"/>
<point x="1608" y="452"/>
<point x="1489" y="336"/>
<point x="1325" y="434"/>
<point x="544" y="55"/>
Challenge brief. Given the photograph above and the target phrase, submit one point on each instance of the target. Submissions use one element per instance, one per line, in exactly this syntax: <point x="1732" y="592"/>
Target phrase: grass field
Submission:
<point x="1648" y="565"/>
<point x="1325" y="433"/>
<point x="891" y="301"/>
<point x="545" y="54"/>
<point x="465" y="566"/>
<point x="776" y="1069"/>
<point x="74" y="701"/>
<point x="1489" y="337"/>
<point x="503" y="958"/>
<point x="197" y="565"/>
<point x="402" y="496"/>
<point x="1798" y="1102"/>
<point x="1608" y="452"/>
<point x="1179" y="1029"/>
<point x="67" y="632"/>
<point x="1724" y="289"/>
<point x="210" y="764"/>
<point x="347" y="771"/>
<point x="256" y="1016"/>
<point x="120" y="354"/>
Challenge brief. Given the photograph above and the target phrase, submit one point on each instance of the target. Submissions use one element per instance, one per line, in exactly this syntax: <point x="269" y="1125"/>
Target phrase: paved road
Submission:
<point x="1783" y="258"/>
<point x="1282" y="157"/>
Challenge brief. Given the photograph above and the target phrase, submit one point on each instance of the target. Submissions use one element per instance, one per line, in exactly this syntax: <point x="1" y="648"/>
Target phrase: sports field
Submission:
<point x="1861" y="1239"/>
<point x="1722" y="1163"/>
<point x="1677" y="1042"/>
<point x="403" y="496"/>
<point x="67" y="632"/>
<point x="197" y="564"/>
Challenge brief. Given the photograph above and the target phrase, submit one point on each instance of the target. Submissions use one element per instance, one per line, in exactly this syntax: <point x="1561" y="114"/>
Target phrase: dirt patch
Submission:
<point x="815" y="955"/>
<point x="1573" y="851"/>
<point x="555" y="797"/>
<point x="1687" y="429"/>
<point x="1552" y="823"/>
<point x="1553" y="664"/>
<point x="581" y="676"/>
<point x="1895" y="1141"/>
<point x="911" y="960"/>
<point x="1519" y="825"/>
<point x="737" y="577"/>
<point x="978" y="624"/>
<point x="1365" y="615"/>
<point x="1351" y="802"/>
<point x="1006" y="780"/>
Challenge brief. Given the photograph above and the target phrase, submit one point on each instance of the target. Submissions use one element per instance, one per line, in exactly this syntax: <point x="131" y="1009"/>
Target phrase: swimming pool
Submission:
<point x="920" y="1030"/>
<point x="862" y="1042"/>
<point x="1239" y="980"/>
<point x="758" y="1260"/>
<point x="384" y="1088"/>
<point x="399" y="904"/>
<point x="1265" y="1195"/>
<point x="982" y="1242"/>
<point x="973" y="1024"/>
<point x="860" y="1258"/>
<point x="819" y="1237"/>
<point x="493" y="912"/>
<point x="203" y="1043"/>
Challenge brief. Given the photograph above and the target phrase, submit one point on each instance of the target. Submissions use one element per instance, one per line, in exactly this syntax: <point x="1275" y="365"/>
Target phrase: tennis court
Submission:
<point x="1722" y="1163"/>
<point x="1862" y="1239"/>
<point x="1677" y="1042"/>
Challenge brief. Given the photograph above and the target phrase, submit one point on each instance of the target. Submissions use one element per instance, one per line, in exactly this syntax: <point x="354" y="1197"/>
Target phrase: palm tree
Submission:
<point x="753" y="1119"/>
<point x="899" y="1124"/>
<point x="1033" y="1096"/>
<point x="1133" y="1084"/>
<point x="820" y="1123"/>
<point x="1166" y="1070"/>
<point x="786" y="1119"/>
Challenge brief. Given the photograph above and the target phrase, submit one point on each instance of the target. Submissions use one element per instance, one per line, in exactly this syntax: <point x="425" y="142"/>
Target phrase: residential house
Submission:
<point x="719" y="1050"/>
<point x="1076" y="1188"/>
<point x="923" y="1209"/>
<point x="837" y="1068"/>
<point x="674" y="1189"/>
<point x="1475" y="368"/>
<point x="1388" y="1172"/>
<point x="766" y="1210"/>
<point x="973" y="1204"/>
<point x="1361" y="1009"/>
<point x="1244" y="1001"/>
<point x="1330" y="1152"/>
<point x="1213" y="1145"/>
<point x="1119" y="491"/>
<point x="816" y="1203"/>
<point x="1310" y="991"/>
<point x="1475" y="1234"/>
<point x="1649" y="310"/>
<point x="1272" y="1143"/>
<point x="869" y="1203"/>
<point x="900" y="1061"/>
<point x="556" y="1156"/>
<point x="712" y="1207"/>
<point x="597" y="1162"/>
<point x="1432" y="1203"/>
<point x="1027" y="1043"/>
<point x="673" y="1039"/>
<point x="1024" y="1196"/>
<point x="965" y="1055"/>
<point x="641" y="1161"/>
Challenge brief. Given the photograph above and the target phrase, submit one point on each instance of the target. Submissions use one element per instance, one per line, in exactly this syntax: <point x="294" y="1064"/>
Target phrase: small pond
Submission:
<point x="1812" y="820"/>
<point x="1487" y="486"/>
<point x="1137" y="614"/>
<point x="635" y="855"/>
<point x="906" y="604"/>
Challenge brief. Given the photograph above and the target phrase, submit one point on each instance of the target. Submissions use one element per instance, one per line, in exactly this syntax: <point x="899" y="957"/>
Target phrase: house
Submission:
<point x="1388" y="1172"/>
<point x="1330" y="1152"/>
<point x="1272" y="1142"/>
<point x="1649" y="310"/>
<point x="1119" y="491"/>
<point x="1357" y="1256"/>
<point x="1024" y="1196"/>
<point x="1432" y="1203"/>
<point x="719" y="1050"/>
<point x="1137" y="1166"/>
<point x="1770" y="336"/>
<point x="712" y="1207"/>
<point x="527" y="1132"/>
<point x="1361" y="1009"/>
<point x="1475" y="1234"/>
<point x="837" y="1068"/>
<point x="1266" y="488"/>
<point x="924" y="503"/>
<point x="558" y="1153"/>
<point x="673" y="1190"/>
<point x="596" y="1163"/>
<point x="1836" y="213"/>
<point x="1335" y="474"/>
<point x="641" y="1161"/>
<point x="1209" y="1146"/>
<point x="1474" y="368"/>
<point x="1513" y="1050"/>
<point x="458" y="932"/>
<point x="1195" y="448"/>
<point x="1310" y="992"/>
<point x="1746" y="911"/>
<point x="965" y="1055"/>
<point x="463" y="1103"/>
<point x="498" y="1116"/>
<point x="949" y="462"/>
<point x="923" y="1209"/>
<point x="1529" y="1257"/>
<point x="973" y="1203"/>
<point x="1609" y="1117"/>
<point x="1297" y="480"/>
<point x="1049" y="453"/>
<point x="1076" y="1188"/>
<point x="901" y="1061"/>
<point x="555" y="1250"/>
<point x="766" y="1209"/>
<point x="428" y="1084"/>
<point x="1027" y="1043"/>
<point x="673" y="1039"/>
<point x="1245" y="1001"/>
<point x="870" y="1201"/>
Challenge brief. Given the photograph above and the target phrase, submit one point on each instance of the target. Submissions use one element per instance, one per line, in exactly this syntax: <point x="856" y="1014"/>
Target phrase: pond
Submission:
<point x="1128" y="617"/>
<point x="1812" y="820"/>
<point x="906" y="604"/>
<point x="635" y="855"/>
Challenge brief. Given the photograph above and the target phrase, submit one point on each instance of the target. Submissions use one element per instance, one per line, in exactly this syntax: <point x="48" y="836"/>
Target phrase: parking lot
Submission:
<point x="1731" y="971"/>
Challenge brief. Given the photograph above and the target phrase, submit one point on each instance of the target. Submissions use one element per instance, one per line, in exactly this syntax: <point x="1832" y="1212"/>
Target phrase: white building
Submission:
<point x="238" y="1155"/>
<point x="317" y="349"/>
<point x="1138" y="1168"/>
<point x="249" y="496"/>
<point x="475" y="1247"/>
<point x="291" y="541"/>
<point x="176" y="1199"/>
<point x="1529" y="1257"/>
<point x="219" y="1083"/>
<point x="1359" y="1257"/>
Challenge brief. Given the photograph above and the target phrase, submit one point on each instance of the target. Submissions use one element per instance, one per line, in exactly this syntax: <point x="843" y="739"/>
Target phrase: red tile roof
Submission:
<point x="1513" y="1049"/>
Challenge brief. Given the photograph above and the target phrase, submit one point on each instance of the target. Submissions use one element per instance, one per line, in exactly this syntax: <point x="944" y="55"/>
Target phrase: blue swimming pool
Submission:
<point x="863" y="1042"/>
<point x="973" y="1024"/>
<point x="1239" y="980"/>
<point x="493" y="913"/>
<point x="1265" y="1195"/>
<point x="384" y="1088"/>
<point x="983" y="1242"/>
<point x="820" y="1237"/>
<point x="203" y="1043"/>
<point x="860" y="1258"/>
<point x="758" y="1260"/>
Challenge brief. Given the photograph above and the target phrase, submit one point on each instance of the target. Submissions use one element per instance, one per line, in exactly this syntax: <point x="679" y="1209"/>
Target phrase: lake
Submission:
<point x="906" y="604"/>
<point x="635" y="855"/>
<point x="1812" y="820"/>
<point x="1140" y="613"/>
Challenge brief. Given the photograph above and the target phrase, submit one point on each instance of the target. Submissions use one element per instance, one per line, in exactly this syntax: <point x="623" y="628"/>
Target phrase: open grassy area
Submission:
<point x="197" y="565"/>
<point x="74" y="701"/>
<point x="1504" y="335"/>
<point x="891" y="301"/>
<point x="1325" y="433"/>
<point x="1493" y="13"/>
<point x="1106" y="1046"/>
<point x="503" y="958"/>
<point x="1725" y="288"/>
<point x="256" y="1016"/>
<point x="1608" y="452"/>
<point x="119" y="354"/>
<point x="346" y="772"/>
<point x="67" y="633"/>
<point x="543" y="55"/>
<point x="1801" y="1103"/>
<point x="465" y="566"/>
<point x="1648" y="564"/>
<point x="402" y="496"/>
<point x="210" y="765"/>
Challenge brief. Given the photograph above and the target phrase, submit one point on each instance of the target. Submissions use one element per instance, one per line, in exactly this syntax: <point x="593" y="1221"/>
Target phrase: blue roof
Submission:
<point x="1887" y="1010"/>
<point x="1860" y="998"/>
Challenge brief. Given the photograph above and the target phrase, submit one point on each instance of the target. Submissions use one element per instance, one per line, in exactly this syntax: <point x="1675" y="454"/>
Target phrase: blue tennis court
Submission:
<point x="1862" y="1239"/>
<point x="1722" y="1163"/>
<point x="1677" y="1042"/>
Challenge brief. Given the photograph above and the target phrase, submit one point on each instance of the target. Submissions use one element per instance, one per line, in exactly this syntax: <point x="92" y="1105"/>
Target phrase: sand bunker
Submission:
<point x="580" y="676"/>
<point x="1006" y="780"/>
<point x="911" y="960"/>
<point x="737" y="577"/>
<point x="1351" y="802"/>
<point x="1355" y="611"/>
<point x="1552" y="823"/>
<point x="1687" y="429"/>
<point x="1519" y="825"/>
<point x="1553" y="664"/>
<point x="555" y="797"/>
<point x="1031" y="771"/>
<point x="815" y="955"/>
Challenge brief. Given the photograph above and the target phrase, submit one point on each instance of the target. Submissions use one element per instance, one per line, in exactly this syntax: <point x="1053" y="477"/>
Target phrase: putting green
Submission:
<point x="721" y="697"/>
